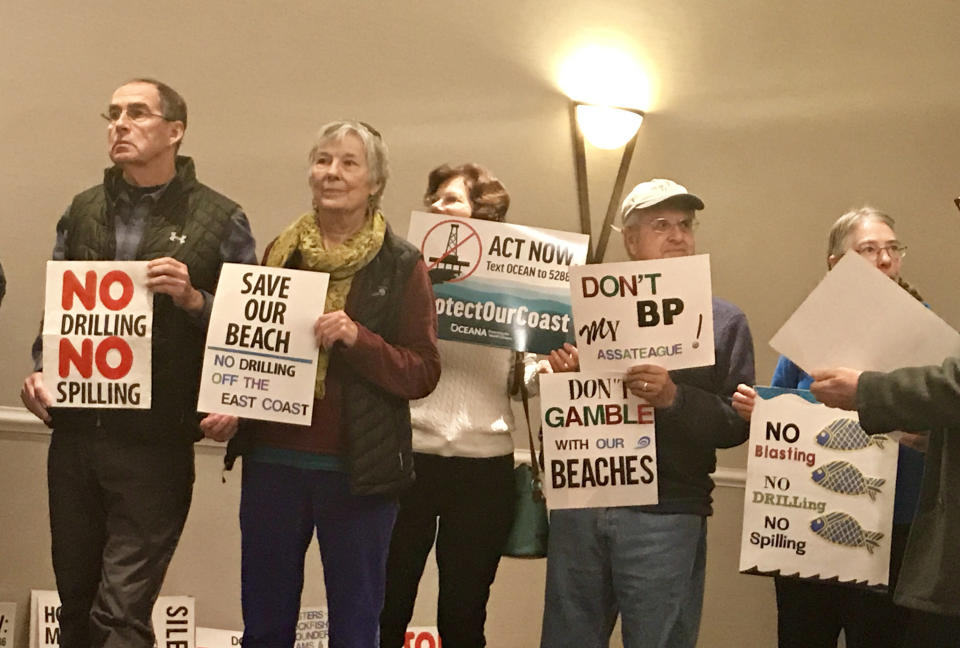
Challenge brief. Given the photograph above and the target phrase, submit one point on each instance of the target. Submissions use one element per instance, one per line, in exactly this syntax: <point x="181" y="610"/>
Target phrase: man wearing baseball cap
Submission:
<point x="647" y="563"/>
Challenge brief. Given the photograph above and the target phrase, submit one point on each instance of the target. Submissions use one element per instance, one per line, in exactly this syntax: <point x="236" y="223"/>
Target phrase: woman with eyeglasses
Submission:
<point x="338" y="478"/>
<point x="811" y="614"/>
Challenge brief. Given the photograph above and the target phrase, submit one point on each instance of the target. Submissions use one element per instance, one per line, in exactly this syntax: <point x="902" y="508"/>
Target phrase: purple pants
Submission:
<point x="280" y="508"/>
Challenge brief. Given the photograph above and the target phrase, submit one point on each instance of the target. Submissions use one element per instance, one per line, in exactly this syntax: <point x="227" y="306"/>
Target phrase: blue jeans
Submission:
<point x="280" y="507"/>
<point x="649" y="567"/>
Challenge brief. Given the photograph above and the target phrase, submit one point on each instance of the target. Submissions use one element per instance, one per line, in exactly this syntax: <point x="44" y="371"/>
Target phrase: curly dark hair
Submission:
<point x="488" y="197"/>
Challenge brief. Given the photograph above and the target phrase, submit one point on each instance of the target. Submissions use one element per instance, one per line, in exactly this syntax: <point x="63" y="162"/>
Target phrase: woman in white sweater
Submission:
<point x="463" y="458"/>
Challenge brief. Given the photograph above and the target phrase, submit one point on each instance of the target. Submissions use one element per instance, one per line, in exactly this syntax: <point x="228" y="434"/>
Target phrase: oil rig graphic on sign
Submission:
<point x="449" y="266"/>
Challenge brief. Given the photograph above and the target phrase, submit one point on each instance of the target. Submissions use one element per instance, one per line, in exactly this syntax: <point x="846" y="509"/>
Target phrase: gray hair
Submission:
<point x="848" y="222"/>
<point x="373" y="146"/>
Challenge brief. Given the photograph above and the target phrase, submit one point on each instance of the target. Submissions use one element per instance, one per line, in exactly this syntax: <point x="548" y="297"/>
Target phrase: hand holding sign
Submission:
<point x="219" y="427"/>
<point x="652" y="383"/>
<point x="743" y="401"/>
<point x="35" y="396"/>
<point x="836" y="387"/>
<point x="335" y="327"/>
<point x="168" y="276"/>
<point x="566" y="358"/>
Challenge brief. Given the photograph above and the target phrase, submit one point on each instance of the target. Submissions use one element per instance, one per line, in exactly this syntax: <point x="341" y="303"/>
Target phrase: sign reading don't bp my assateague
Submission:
<point x="658" y="312"/>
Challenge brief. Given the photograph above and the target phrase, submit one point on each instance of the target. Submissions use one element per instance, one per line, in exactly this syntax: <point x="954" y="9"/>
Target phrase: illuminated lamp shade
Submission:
<point x="606" y="127"/>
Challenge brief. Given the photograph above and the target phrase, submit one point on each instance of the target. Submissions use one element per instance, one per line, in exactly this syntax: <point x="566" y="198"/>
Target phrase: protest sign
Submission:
<point x="173" y="618"/>
<point x="216" y="638"/>
<point x="636" y="312"/>
<point x="599" y="443"/>
<point x="175" y="622"/>
<point x="422" y="637"/>
<point x="261" y="353"/>
<point x="97" y="329"/>
<point x="498" y="284"/>
<point x="8" y="624"/>
<point x="313" y="627"/>
<point x="854" y="302"/>
<point x="44" y="618"/>
<point x="819" y="492"/>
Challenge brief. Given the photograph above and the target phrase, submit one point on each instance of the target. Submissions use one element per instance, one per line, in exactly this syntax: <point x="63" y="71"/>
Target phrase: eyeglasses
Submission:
<point x="872" y="250"/>
<point x="664" y="225"/>
<point x="136" y="112"/>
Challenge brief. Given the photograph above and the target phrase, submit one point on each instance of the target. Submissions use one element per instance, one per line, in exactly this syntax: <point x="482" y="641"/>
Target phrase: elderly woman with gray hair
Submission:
<point x="810" y="614"/>
<point x="339" y="476"/>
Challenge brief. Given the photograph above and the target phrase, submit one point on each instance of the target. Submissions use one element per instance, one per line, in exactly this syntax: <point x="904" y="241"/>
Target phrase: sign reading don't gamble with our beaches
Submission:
<point x="499" y="284"/>
<point x="644" y="312"/>
<point x="97" y="328"/>
<point x="261" y="354"/>
<point x="599" y="443"/>
<point x="819" y="492"/>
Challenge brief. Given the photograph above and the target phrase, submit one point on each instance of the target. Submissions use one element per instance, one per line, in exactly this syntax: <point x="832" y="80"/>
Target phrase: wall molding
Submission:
<point x="18" y="422"/>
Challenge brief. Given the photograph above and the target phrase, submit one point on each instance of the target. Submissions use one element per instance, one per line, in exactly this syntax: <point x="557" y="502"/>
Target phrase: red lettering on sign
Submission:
<point x="112" y="277"/>
<point x="126" y="358"/>
<point x="83" y="361"/>
<point x="87" y="357"/>
<point x="86" y="292"/>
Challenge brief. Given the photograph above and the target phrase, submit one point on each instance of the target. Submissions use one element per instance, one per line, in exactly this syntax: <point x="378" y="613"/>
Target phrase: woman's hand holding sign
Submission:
<point x="652" y="383"/>
<point x="219" y="427"/>
<point x="566" y="358"/>
<point x="335" y="327"/>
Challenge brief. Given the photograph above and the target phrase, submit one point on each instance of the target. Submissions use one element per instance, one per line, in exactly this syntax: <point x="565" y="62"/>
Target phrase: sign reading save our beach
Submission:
<point x="635" y="312"/>
<point x="261" y="354"/>
<point x="499" y="284"/>
<point x="97" y="329"/>
<point x="819" y="492"/>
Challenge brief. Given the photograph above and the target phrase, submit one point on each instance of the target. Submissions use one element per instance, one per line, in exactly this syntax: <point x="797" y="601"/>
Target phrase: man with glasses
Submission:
<point x="647" y="563"/>
<point x="120" y="481"/>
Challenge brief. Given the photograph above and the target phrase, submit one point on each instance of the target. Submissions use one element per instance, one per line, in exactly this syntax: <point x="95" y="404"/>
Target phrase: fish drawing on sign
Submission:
<point x="844" y="477"/>
<point x="846" y="434"/>
<point x="843" y="529"/>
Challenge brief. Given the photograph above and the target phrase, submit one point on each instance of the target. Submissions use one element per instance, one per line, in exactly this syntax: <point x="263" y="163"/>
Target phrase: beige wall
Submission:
<point x="781" y="115"/>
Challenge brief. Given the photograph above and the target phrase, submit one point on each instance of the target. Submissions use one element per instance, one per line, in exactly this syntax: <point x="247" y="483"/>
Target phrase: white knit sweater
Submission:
<point x="469" y="413"/>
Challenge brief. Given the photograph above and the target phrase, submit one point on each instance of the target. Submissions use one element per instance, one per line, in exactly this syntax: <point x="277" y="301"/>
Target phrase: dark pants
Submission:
<point x="811" y="615"/>
<point x="280" y="506"/>
<point x="473" y="499"/>
<point x="118" y="503"/>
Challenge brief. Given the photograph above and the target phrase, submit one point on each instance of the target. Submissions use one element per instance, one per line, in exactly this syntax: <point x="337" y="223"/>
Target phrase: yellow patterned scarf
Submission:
<point x="341" y="262"/>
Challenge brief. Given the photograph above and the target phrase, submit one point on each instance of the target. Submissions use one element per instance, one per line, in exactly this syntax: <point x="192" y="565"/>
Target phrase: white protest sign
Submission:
<point x="175" y="622"/>
<point x="260" y="360"/>
<point x="44" y="618"/>
<point x="635" y="312"/>
<point x="818" y="501"/>
<point x="499" y="284"/>
<point x="857" y="303"/>
<point x="313" y="627"/>
<point x="8" y="624"/>
<point x="422" y="637"/>
<point x="599" y="442"/>
<point x="173" y="619"/>
<point x="97" y="329"/>
<point x="215" y="638"/>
